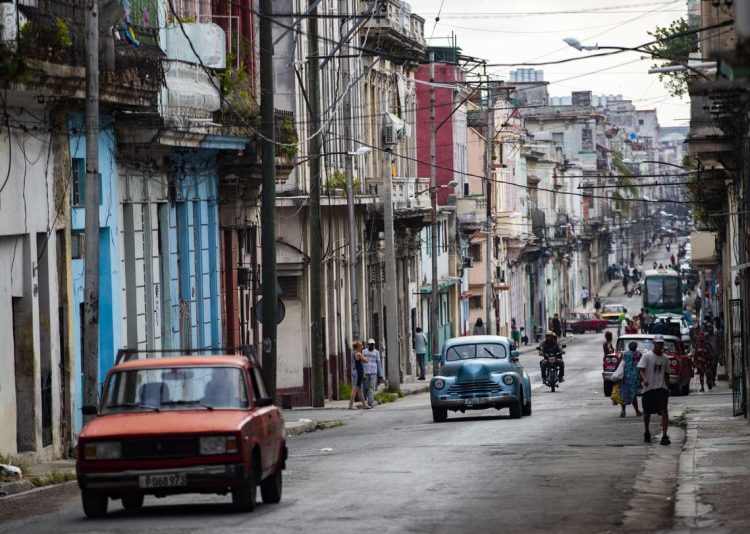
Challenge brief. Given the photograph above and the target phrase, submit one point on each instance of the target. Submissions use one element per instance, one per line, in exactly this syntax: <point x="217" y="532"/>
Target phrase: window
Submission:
<point x="78" y="182"/>
<point x="289" y="287"/>
<point x="587" y="140"/>
<point x="467" y="352"/>
<point x="640" y="122"/>
<point x="177" y="388"/>
<point x="476" y="251"/>
<point x="475" y="302"/>
<point x="557" y="138"/>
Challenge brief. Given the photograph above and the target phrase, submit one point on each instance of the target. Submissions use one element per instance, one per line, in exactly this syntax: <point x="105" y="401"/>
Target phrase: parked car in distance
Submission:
<point x="611" y="313"/>
<point x="181" y="424"/>
<point x="680" y="363"/>
<point x="582" y="321"/>
<point x="480" y="372"/>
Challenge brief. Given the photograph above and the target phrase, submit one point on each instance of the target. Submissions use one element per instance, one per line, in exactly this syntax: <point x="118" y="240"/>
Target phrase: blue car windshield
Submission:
<point x="475" y="350"/>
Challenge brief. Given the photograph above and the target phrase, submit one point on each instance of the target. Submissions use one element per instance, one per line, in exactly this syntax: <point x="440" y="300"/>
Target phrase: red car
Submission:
<point x="680" y="363"/>
<point x="183" y="424"/>
<point x="582" y="321"/>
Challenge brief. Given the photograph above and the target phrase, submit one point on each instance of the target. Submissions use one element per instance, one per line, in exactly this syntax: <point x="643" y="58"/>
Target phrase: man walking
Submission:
<point x="373" y="370"/>
<point x="420" y="347"/>
<point x="584" y="296"/>
<point x="557" y="326"/>
<point x="654" y="369"/>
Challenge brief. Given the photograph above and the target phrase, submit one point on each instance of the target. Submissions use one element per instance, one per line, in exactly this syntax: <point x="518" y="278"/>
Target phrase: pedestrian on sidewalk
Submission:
<point x="373" y="370"/>
<point x="703" y="359"/>
<point x="358" y="376"/>
<point x="515" y="333"/>
<point x="584" y="296"/>
<point x="607" y="346"/>
<point x="557" y="325"/>
<point x="698" y="303"/>
<point x="597" y="304"/>
<point x="654" y="369"/>
<point x="420" y="347"/>
<point x="625" y="391"/>
<point x="478" y="327"/>
<point x="524" y="337"/>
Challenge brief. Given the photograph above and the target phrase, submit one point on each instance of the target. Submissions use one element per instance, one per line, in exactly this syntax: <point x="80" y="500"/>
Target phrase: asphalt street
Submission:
<point x="572" y="466"/>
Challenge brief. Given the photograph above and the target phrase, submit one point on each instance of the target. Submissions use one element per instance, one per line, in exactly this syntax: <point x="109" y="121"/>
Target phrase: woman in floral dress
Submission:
<point x="626" y="391"/>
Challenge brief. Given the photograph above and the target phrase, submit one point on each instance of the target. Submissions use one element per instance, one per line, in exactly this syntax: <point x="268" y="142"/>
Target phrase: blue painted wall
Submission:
<point x="109" y="256"/>
<point x="194" y="223"/>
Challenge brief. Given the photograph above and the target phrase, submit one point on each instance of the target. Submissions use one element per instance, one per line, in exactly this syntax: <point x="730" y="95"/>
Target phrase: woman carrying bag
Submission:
<point x="627" y="380"/>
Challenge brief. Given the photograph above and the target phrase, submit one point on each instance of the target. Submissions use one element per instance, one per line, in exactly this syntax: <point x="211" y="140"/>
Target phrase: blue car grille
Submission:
<point x="473" y="387"/>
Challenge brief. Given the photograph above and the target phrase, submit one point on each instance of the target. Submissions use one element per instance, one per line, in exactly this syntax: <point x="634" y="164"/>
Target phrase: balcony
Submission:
<point x="49" y="42"/>
<point x="471" y="212"/>
<point x="394" y="30"/>
<point x="511" y="224"/>
<point x="411" y="200"/>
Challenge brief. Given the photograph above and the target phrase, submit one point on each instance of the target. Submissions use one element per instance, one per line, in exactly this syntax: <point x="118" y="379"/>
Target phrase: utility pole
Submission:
<point x="347" y="108"/>
<point x="393" y="361"/>
<point x="91" y="275"/>
<point x="488" y="173"/>
<point x="316" y="239"/>
<point x="268" y="203"/>
<point x="434" y="334"/>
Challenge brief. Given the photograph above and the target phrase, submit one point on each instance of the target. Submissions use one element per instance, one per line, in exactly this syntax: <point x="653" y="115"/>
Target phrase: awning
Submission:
<point x="442" y="285"/>
<point x="466" y="295"/>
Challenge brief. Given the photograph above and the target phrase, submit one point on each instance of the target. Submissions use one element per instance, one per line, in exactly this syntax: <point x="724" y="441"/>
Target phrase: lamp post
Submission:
<point x="575" y="43"/>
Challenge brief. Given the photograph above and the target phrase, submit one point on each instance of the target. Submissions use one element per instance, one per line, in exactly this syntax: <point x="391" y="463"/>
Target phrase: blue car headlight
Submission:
<point x="508" y="380"/>
<point x="439" y="383"/>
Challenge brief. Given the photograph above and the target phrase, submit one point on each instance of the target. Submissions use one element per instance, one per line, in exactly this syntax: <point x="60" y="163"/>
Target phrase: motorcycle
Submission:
<point x="552" y="360"/>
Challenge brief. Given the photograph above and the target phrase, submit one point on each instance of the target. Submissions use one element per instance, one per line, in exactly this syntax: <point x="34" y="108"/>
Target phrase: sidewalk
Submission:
<point x="712" y="490"/>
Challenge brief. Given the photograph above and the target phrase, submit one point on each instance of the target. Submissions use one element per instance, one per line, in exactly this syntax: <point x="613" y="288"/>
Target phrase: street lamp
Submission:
<point x="575" y="43"/>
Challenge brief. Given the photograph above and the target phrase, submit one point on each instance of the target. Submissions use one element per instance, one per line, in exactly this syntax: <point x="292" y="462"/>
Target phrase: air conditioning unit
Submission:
<point x="468" y="263"/>
<point x="394" y="129"/>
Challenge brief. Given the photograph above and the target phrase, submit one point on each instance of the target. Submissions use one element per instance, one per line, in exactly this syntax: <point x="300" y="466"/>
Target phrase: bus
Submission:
<point x="662" y="292"/>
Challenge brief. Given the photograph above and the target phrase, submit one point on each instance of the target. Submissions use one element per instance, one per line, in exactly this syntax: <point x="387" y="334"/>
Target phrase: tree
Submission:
<point x="673" y="47"/>
<point x="626" y="187"/>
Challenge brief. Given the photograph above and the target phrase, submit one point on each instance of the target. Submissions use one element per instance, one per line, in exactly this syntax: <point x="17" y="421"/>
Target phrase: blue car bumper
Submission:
<point x="473" y="403"/>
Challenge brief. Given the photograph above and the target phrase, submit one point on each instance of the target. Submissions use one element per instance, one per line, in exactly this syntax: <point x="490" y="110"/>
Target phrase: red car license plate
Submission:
<point x="166" y="480"/>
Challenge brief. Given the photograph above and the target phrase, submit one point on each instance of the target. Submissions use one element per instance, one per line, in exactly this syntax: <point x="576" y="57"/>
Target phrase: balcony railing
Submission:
<point x="408" y="193"/>
<point x="472" y="210"/>
<point x="395" y="28"/>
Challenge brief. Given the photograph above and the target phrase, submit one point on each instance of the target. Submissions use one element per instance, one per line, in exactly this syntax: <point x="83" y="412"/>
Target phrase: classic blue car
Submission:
<point x="480" y="372"/>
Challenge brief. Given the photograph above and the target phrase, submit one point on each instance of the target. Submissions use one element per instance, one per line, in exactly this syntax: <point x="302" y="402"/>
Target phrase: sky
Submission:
<point x="517" y="31"/>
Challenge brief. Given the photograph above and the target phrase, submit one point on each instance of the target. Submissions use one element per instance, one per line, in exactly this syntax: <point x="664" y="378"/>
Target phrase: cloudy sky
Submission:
<point x="516" y="31"/>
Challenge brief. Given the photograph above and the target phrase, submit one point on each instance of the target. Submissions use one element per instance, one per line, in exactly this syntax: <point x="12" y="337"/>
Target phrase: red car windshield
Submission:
<point x="178" y="388"/>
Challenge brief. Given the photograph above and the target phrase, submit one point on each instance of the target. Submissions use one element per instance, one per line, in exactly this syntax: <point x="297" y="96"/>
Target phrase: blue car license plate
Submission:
<point x="475" y="400"/>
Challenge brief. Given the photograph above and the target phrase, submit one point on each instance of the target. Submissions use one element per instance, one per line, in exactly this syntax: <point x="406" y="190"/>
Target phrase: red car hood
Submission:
<point x="164" y="423"/>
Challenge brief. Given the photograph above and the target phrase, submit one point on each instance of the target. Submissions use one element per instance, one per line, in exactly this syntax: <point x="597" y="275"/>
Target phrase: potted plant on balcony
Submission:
<point x="288" y="140"/>
<point x="335" y="184"/>
<point x="237" y="92"/>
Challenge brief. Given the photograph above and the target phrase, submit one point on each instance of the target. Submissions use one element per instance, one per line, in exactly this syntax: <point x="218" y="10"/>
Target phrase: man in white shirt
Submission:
<point x="654" y="369"/>
<point x="420" y="347"/>
<point x="373" y="370"/>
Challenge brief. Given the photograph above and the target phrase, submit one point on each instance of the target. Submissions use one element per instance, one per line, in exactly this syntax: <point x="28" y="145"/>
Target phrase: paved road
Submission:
<point x="573" y="466"/>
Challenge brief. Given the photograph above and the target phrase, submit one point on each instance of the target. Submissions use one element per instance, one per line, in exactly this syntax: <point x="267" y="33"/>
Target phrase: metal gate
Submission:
<point x="737" y="347"/>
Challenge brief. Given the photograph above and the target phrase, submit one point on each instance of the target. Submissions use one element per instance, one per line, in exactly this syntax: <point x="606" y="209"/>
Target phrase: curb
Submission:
<point x="299" y="427"/>
<point x="686" y="509"/>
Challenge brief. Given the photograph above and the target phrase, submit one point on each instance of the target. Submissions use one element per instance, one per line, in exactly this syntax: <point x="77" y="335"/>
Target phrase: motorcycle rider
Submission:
<point x="551" y="346"/>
